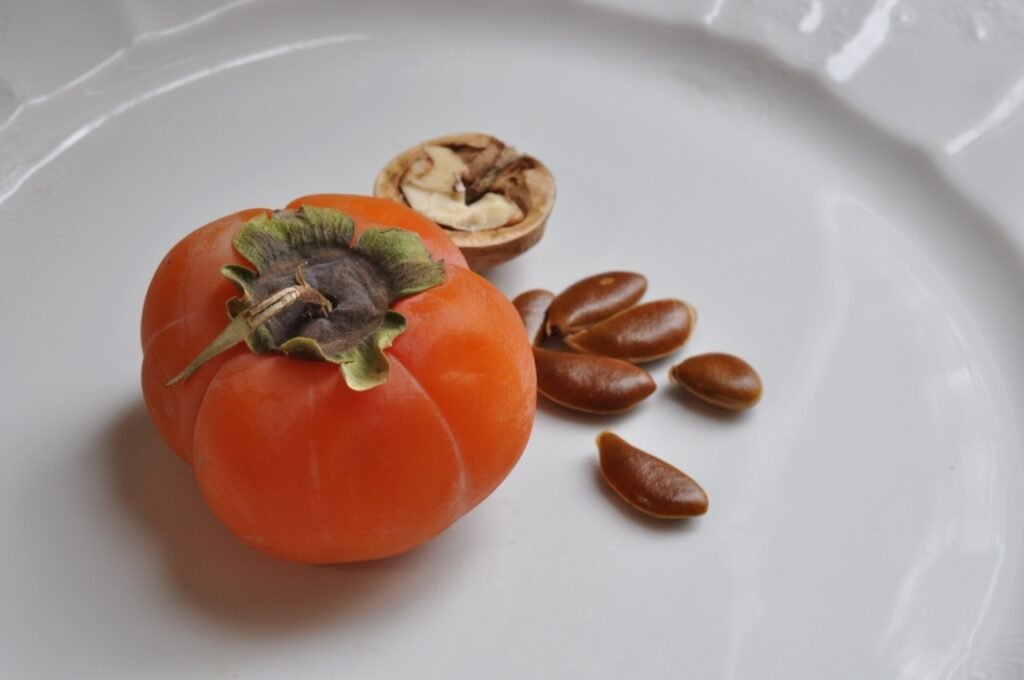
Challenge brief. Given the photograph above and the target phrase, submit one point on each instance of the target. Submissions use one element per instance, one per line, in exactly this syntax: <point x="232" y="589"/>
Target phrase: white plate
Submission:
<point x="866" y="517"/>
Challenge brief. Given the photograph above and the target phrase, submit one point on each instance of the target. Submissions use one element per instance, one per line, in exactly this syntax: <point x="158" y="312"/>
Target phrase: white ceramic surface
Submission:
<point x="835" y="187"/>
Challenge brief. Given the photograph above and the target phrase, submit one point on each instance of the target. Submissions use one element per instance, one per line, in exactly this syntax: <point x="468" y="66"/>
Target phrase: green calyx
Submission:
<point x="315" y="295"/>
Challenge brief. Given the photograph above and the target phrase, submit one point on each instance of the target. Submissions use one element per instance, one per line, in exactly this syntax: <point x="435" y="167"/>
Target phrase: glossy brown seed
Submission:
<point x="638" y="334"/>
<point x="592" y="299"/>
<point x="720" y="379"/>
<point x="590" y="383"/>
<point x="647" y="483"/>
<point x="533" y="310"/>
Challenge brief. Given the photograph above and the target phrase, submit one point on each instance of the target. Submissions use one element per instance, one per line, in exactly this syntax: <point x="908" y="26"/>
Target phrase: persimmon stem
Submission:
<point x="259" y="314"/>
<point x="254" y="317"/>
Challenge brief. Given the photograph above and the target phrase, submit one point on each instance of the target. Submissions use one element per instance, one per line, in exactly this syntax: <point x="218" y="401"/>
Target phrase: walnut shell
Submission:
<point x="525" y="180"/>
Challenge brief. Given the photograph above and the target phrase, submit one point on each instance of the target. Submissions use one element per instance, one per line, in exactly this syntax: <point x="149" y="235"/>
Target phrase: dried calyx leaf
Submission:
<point x="315" y="295"/>
<point x="493" y="200"/>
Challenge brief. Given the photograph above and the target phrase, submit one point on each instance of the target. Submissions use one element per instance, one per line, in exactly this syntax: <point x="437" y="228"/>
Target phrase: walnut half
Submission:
<point x="493" y="201"/>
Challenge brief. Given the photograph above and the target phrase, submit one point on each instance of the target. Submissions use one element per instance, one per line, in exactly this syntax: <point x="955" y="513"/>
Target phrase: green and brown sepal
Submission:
<point x="315" y="295"/>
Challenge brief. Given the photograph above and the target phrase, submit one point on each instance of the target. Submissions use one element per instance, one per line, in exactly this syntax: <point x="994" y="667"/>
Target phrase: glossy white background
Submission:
<point x="832" y="185"/>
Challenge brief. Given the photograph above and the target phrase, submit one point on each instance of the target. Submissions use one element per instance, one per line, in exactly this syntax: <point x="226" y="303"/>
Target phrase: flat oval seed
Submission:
<point x="647" y="483"/>
<point x="592" y="299"/>
<point x="638" y="334"/>
<point x="720" y="379"/>
<point x="591" y="383"/>
<point x="533" y="310"/>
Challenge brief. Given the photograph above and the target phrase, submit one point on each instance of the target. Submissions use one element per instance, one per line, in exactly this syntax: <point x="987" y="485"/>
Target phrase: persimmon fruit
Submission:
<point x="344" y="387"/>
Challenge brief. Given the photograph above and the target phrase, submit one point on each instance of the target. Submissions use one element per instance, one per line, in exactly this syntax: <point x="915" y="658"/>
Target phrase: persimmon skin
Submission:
<point x="488" y="362"/>
<point x="296" y="463"/>
<point x="310" y="471"/>
<point x="183" y="311"/>
<point x="188" y="278"/>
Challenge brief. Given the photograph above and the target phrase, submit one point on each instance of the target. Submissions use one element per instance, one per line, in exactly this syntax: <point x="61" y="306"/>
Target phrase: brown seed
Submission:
<point x="720" y="379"/>
<point x="592" y="299"/>
<point x="638" y="334"/>
<point x="533" y="310"/>
<point x="591" y="383"/>
<point x="647" y="483"/>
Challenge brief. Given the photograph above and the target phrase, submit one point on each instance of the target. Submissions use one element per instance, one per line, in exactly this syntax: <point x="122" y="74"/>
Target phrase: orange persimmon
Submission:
<point x="385" y="391"/>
